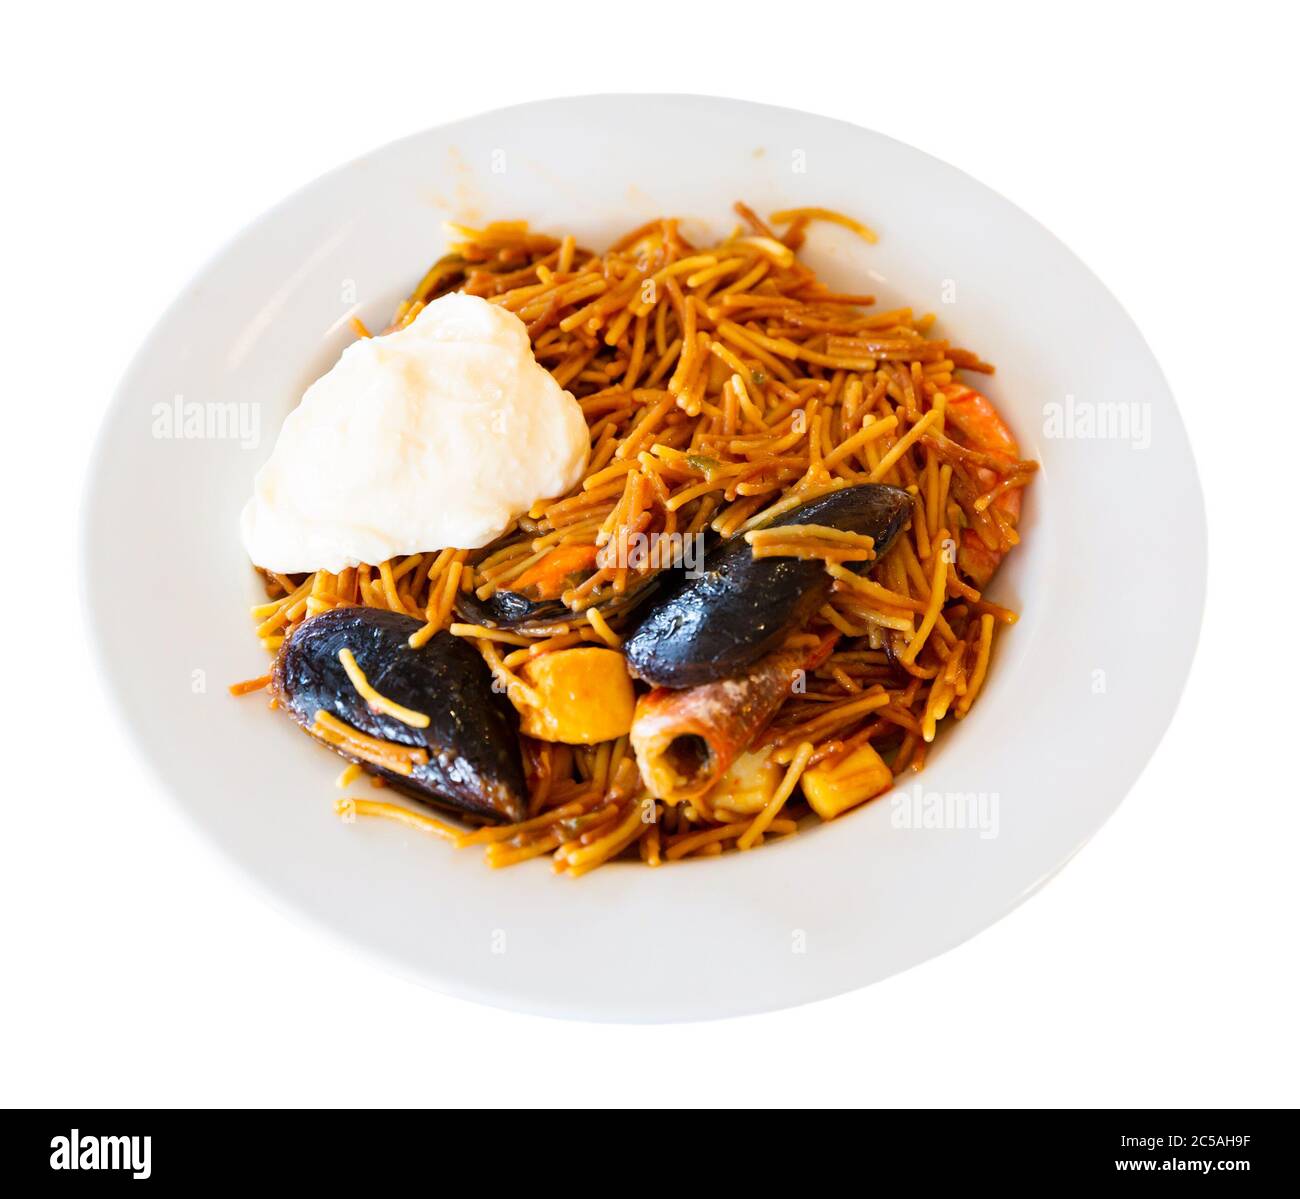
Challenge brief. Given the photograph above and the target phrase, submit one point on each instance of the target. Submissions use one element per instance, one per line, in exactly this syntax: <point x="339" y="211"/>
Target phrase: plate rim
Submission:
<point x="98" y="472"/>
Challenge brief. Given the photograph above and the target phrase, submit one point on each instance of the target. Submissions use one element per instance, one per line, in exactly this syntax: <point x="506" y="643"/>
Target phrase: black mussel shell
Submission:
<point x="472" y="738"/>
<point x="740" y="608"/>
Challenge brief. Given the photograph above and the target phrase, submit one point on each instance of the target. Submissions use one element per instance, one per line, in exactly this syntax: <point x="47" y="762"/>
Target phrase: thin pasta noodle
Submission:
<point x="723" y="386"/>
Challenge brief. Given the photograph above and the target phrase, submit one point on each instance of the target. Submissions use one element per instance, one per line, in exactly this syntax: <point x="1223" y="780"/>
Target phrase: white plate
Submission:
<point x="1110" y="577"/>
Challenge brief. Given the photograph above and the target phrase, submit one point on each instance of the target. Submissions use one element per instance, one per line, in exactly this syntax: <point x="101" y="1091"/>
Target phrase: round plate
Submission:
<point x="1081" y="690"/>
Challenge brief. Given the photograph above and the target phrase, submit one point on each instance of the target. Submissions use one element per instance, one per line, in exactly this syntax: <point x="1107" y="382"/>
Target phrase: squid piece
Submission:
<point x="833" y="789"/>
<point x="686" y="740"/>
<point x="536" y="605"/>
<point x="741" y="608"/>
<point x="455" y="740"/>
<point x="747" y="787"/>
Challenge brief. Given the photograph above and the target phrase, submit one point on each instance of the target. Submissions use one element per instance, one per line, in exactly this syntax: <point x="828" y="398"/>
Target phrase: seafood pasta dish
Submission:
<point x="648" y="553"/>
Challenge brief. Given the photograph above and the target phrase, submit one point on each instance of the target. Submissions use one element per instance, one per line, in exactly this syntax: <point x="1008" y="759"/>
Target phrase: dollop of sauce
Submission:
<point x="439" y="434"/>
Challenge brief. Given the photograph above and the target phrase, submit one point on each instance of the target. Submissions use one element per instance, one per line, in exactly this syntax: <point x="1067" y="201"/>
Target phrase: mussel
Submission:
<point x="739" y="609"/>
<point x="509" y="610"/>
<point x="466" y="757"/>
<point x="516" y="611"/>
<point x="532" y="601"/>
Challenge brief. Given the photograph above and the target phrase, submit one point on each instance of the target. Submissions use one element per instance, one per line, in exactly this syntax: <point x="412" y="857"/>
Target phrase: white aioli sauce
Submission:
<point x="439" y="434"/>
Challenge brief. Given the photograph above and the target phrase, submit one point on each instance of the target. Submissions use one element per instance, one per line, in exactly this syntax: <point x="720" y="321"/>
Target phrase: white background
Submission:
<point x="1158" y="142"/>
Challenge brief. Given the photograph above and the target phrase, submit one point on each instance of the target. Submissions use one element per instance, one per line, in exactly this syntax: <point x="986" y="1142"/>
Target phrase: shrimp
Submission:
<point x="979" y="426"/>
